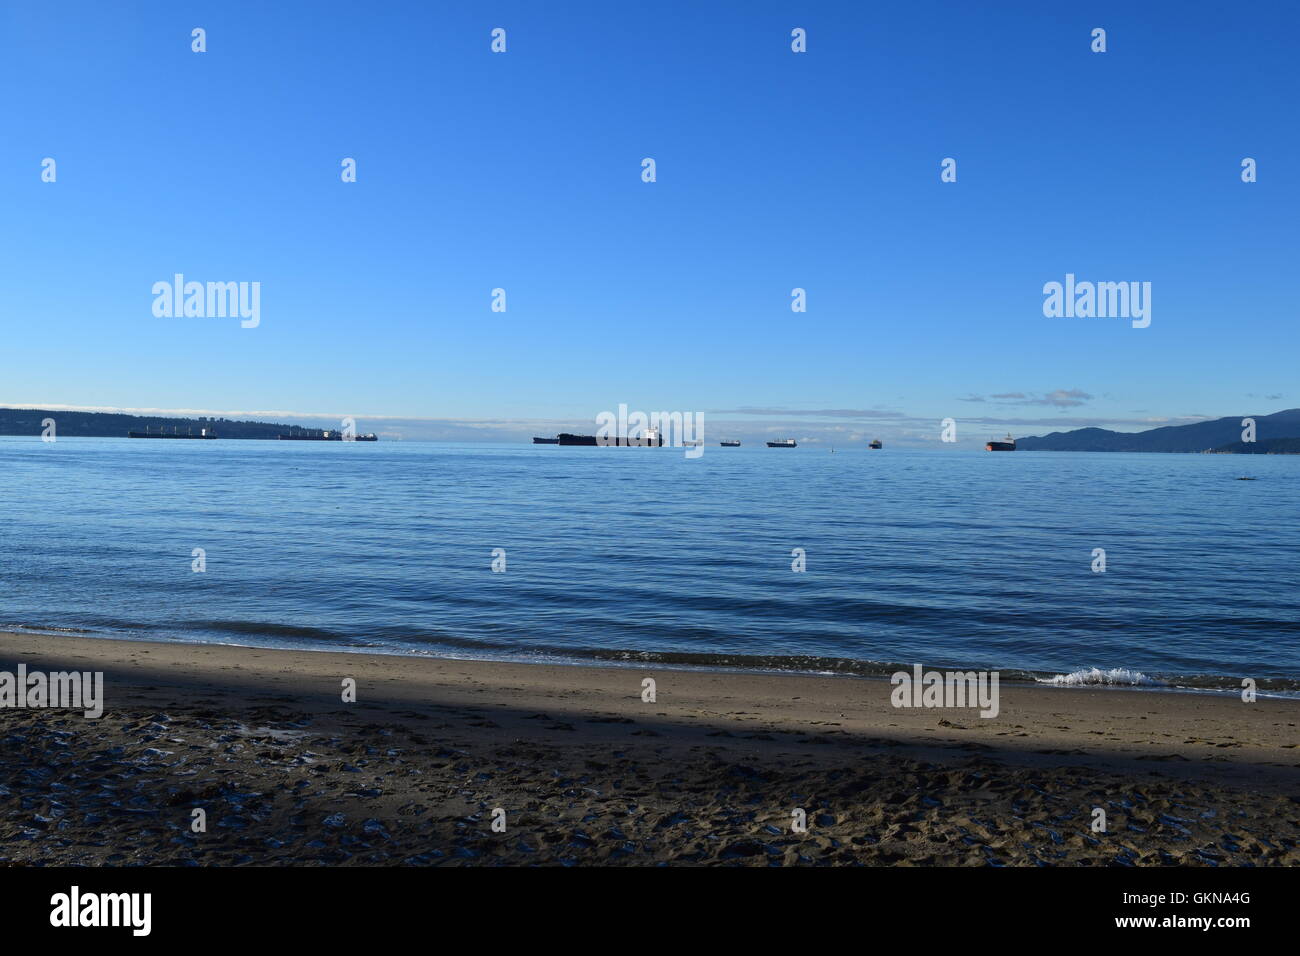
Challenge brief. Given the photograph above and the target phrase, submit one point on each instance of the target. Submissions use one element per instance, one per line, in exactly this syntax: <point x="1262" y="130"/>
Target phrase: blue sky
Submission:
<point x="775" y="170"/>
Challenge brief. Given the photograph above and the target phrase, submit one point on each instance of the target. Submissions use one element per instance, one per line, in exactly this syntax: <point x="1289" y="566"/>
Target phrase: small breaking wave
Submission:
<point x="1115" y="676"/>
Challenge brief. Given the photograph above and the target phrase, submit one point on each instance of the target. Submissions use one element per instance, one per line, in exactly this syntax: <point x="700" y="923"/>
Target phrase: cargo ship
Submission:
<point x="150" y="433"/>
<point x="729" y="444"/>
<point x="876" y="443"/>
<point x="783" y="443"/>
<point x="650" y="438"/>
<point x="1007" y="444"/>
<point x="328" y="435"/>
<point x="546" y="441"/>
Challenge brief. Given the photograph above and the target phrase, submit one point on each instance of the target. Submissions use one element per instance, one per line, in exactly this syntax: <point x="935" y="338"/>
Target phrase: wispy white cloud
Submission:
<point x="1057" y="398"/>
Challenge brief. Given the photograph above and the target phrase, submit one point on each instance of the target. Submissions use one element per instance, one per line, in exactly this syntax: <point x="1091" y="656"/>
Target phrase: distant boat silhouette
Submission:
<point x="328" y="436"/>
<point x="150" y="433"/>
<point x="649" y="437"/>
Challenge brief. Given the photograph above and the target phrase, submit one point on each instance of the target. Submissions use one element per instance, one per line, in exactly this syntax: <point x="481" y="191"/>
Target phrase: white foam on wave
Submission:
<point x="1095" y="675"/>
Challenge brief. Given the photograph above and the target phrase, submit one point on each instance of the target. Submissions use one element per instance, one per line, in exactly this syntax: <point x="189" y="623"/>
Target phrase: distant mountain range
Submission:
<point x="1274" y="434"/>
<point x="27" y="421"/>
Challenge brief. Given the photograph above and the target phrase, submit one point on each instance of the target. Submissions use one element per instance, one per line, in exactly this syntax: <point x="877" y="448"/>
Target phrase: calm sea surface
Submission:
<point x="946" y="558"/>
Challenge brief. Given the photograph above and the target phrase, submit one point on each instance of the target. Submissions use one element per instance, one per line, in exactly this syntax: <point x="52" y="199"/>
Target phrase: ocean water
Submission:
<point x="942" y="557"/>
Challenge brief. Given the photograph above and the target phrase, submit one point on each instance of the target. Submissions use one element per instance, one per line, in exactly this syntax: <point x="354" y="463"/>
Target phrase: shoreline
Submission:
<point x="870" y="670"/>
<point x="587" y="772"/>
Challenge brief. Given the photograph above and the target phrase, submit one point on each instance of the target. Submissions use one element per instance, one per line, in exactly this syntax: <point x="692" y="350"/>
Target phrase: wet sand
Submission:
<point x="589" y="773"/>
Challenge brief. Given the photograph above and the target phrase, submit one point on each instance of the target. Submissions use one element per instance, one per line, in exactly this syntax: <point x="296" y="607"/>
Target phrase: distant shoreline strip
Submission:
<point x="1099" y="678"/>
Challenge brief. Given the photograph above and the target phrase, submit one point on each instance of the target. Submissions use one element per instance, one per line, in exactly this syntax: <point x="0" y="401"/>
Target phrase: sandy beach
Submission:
<point x="587" y="772"/>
